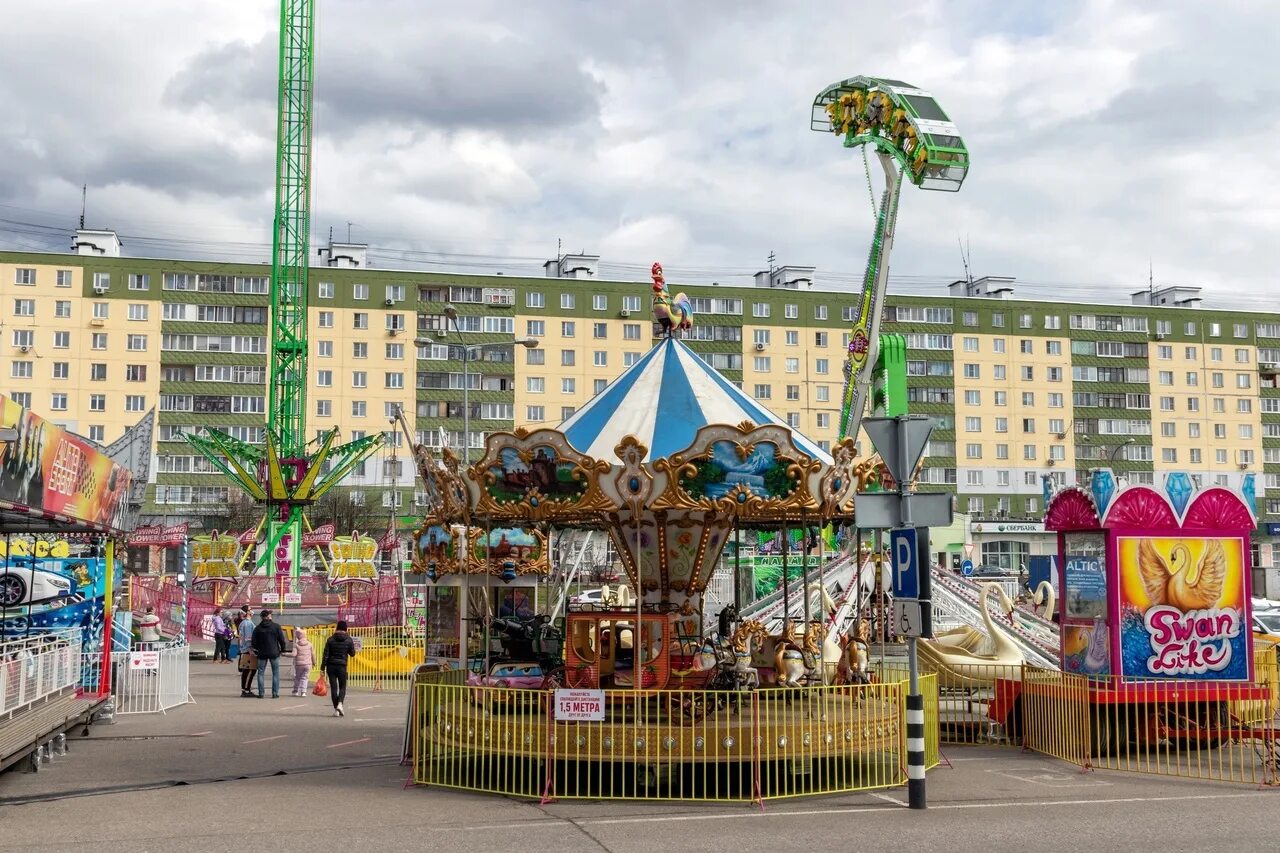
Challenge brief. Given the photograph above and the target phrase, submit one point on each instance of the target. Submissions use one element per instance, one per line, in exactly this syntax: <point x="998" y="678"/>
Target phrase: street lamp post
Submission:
<point x="1118" y="448"/>
<point x="452" y="314"/>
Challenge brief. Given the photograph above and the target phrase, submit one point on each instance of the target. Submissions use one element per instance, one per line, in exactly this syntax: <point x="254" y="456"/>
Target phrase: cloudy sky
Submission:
<point x="1104" y="135"/>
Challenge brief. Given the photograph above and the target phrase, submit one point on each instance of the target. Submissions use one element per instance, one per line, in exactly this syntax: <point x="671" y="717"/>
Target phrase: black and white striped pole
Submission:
<point x="915" y="733"/>
<point x="909" y="515"/>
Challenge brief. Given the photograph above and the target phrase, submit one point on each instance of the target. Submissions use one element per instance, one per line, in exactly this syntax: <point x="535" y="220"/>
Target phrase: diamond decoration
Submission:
<point x="1179" y="488"/>
<point x="1103" y="486"/>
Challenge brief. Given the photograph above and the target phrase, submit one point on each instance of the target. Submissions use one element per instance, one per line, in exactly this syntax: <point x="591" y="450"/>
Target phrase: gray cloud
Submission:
<point x="1103" y="134"/>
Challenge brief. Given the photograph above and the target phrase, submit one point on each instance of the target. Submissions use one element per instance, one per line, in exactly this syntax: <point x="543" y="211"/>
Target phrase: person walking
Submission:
<point x="248" y="663"/>
<point x="221" y="639"/>
<point x="149" y="629"/>
<point x="338" y="649"/>
<point x="304" y="657"/>
<point x="268" y="644"/>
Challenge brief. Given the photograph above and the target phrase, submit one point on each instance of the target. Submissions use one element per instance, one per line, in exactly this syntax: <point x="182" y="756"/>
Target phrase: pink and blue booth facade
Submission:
<point x="1155" y="582"/>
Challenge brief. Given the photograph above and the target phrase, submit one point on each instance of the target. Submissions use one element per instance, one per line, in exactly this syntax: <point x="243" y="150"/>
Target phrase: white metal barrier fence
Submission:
<point x="36" y="668"/>
<point x="153" y="677"/>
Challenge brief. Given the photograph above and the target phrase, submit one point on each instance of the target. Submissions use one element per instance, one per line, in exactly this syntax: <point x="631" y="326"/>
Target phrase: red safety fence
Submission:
<point x="383" y="605"/>
<point x="379" y="604"/>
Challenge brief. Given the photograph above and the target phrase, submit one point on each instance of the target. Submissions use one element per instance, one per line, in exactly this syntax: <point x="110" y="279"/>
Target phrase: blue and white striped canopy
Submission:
<point x="663" y="400"/>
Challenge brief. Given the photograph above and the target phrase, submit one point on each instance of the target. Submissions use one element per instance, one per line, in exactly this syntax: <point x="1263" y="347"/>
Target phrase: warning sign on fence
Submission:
<point x="293" y="598"/>
<point x="580" y="705"/>
<point x="144" y="660"/>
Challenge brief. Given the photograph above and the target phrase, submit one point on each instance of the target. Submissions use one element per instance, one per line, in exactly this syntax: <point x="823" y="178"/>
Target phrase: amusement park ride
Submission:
<point x="674" y="462"/>
<point x="289" y="473"/>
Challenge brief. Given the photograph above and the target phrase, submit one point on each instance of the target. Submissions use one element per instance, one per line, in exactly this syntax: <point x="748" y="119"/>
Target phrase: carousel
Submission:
<point x="673" y="462"/>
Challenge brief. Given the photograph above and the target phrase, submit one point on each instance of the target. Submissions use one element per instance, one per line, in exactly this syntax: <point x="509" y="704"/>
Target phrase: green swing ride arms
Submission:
<point x="914" y="140"/>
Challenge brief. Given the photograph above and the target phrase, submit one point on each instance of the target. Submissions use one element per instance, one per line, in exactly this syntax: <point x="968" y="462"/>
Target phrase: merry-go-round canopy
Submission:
<point x="663" y="400"/>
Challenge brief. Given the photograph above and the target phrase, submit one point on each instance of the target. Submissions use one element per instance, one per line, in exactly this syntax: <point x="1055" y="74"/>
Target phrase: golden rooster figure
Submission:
<point x="672" y="312"/>
<point x="1176" y="583"/>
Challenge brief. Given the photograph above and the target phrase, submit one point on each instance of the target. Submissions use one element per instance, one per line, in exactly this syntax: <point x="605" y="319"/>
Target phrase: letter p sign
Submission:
<point x="904" y="546"/>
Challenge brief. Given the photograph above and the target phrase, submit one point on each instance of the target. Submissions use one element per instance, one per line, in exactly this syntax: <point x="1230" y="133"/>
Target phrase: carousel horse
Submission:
<point x="750" y="633"/>
<point x="789" y="666"/>
<point x="855" y="663"/>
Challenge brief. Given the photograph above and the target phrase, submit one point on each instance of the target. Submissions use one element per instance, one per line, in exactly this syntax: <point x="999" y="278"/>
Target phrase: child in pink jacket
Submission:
<point x="304" y="657"/>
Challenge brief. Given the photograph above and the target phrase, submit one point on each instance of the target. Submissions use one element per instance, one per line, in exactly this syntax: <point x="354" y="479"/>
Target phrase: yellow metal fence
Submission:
<point x="668" y="744"/>
<point x="386" y="658"/>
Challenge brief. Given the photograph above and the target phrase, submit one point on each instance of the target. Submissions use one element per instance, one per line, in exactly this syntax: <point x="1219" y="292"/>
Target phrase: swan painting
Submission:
<point x="1176" y="582"/>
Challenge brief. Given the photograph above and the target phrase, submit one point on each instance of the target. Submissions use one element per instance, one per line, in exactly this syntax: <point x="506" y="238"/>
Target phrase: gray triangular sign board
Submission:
<point x="884" y="434"/>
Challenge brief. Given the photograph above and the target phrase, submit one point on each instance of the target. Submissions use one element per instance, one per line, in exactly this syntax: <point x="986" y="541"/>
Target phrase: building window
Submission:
<point x="326" y="319"/>
<point x="58" y="402"/>
<point x="25" y="369"/>
<point x="600" y="331"/>
<point x="324" y="378"/>
<point x="98" y="341"/>
<point x="820" y="366"/>
<point x="535" y="328"/>
<point x="97" y="402"/>
<point x="790" y="311"/>
<point x="135" y="403"/>
<point x="135" y="373"/>
<point x="394" y="293"/>
<point x="567" y="301"/>
<point x="819" y="312"/>
<point x="325" y="290"/>
<point x="792" y="365"/>
<point x="535" y="356"/>
<point x="970" y="344"/>
<point x="631" y="331"/>
<point x="822" y="393"/>
<point x="393" y="379"/>
<point x="973" y="424"/>
<point x="62" y="308"/>
<point x="360" y="320"/>
<point x="793" y="393"/>
<point x="973" y="450"/>
<point x="535" y="414"/>
<point x="535" y="384"/>
<point x="763" y="391"/>
<point x="62" y="370"/>
<point x="760" y="337"/>
<point x="759" y="309"/>
<point x="359" y="408"/>
<point x="360" y="291"/>
<point x="600" y="358"/>
<point x="823" y="420"/>
<point x="762" y="364"/>
<point x="359" y="349"/>
<point x="568" y="385"/>
<point x="820" y="339"/>
<point x="973" y="398"/>
<point x="631" y="303"/>
<point x="567" y="329"/>
<point x="568" y="357"/>
<point x="24" y="275"/>
<point x="24" y="307"/>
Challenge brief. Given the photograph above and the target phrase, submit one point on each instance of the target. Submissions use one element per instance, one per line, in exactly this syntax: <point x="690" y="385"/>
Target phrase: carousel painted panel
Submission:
<point x="508" y="552"/>
<point x="745" y="471"/>
<point x="435" y="549"/>
<point x="537" y="476"/>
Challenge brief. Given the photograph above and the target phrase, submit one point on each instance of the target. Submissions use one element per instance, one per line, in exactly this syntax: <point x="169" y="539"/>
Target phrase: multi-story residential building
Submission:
<point x="1021" y="390"/>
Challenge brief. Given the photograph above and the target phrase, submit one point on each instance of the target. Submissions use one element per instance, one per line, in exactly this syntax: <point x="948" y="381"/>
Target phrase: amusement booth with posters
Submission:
<point x="61" y="505"/>
<point x="1155" y="582"/>
<point x="1156" y="616"/>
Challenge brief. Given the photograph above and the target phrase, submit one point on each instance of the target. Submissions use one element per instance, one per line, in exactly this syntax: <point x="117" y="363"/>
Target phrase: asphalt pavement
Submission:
<point x="340" y="787"/>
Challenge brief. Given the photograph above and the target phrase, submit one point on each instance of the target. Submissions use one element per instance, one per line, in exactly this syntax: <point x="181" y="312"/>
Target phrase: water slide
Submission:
<point x="956" y="602"/>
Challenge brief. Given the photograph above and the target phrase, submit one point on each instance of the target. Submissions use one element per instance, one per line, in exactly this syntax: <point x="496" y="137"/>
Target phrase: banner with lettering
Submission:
<point x="157" y="536"/>
<point x="1183" y="607"/>
<point x="351" y="559"/>
<point x="215" y="559"/>
<point x="45" y="467"/>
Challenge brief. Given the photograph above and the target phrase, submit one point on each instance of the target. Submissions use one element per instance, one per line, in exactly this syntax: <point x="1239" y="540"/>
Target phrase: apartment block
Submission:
<point x="1021" y="390"/>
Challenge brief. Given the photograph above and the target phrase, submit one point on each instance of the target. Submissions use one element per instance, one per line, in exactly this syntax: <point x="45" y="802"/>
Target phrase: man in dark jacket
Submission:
<point x="268" y="645"/>
<point x="338" y="649"/>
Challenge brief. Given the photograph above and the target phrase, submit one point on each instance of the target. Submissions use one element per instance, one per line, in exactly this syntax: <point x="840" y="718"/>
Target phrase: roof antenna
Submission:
<point x="1151" y="282"/>
<point x="964" y="259"/>
<point x="772" y="258"/>
<point x="84" y="200"/>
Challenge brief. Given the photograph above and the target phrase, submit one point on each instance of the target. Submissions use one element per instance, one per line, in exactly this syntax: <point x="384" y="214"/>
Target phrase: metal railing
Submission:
<point x="151" y="678"/>
<point x="37" y="668"/>
<point x="385" y="660"/>
<point x="660" y="744"/>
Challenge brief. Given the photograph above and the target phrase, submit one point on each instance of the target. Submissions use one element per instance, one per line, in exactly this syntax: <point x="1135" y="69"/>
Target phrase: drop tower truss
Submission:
<point x="913" y="140"/>
<point x="288" y="473"/>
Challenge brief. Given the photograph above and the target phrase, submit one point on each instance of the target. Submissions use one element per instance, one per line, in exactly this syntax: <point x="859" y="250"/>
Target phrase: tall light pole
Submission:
<point x="452" y="313"/>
